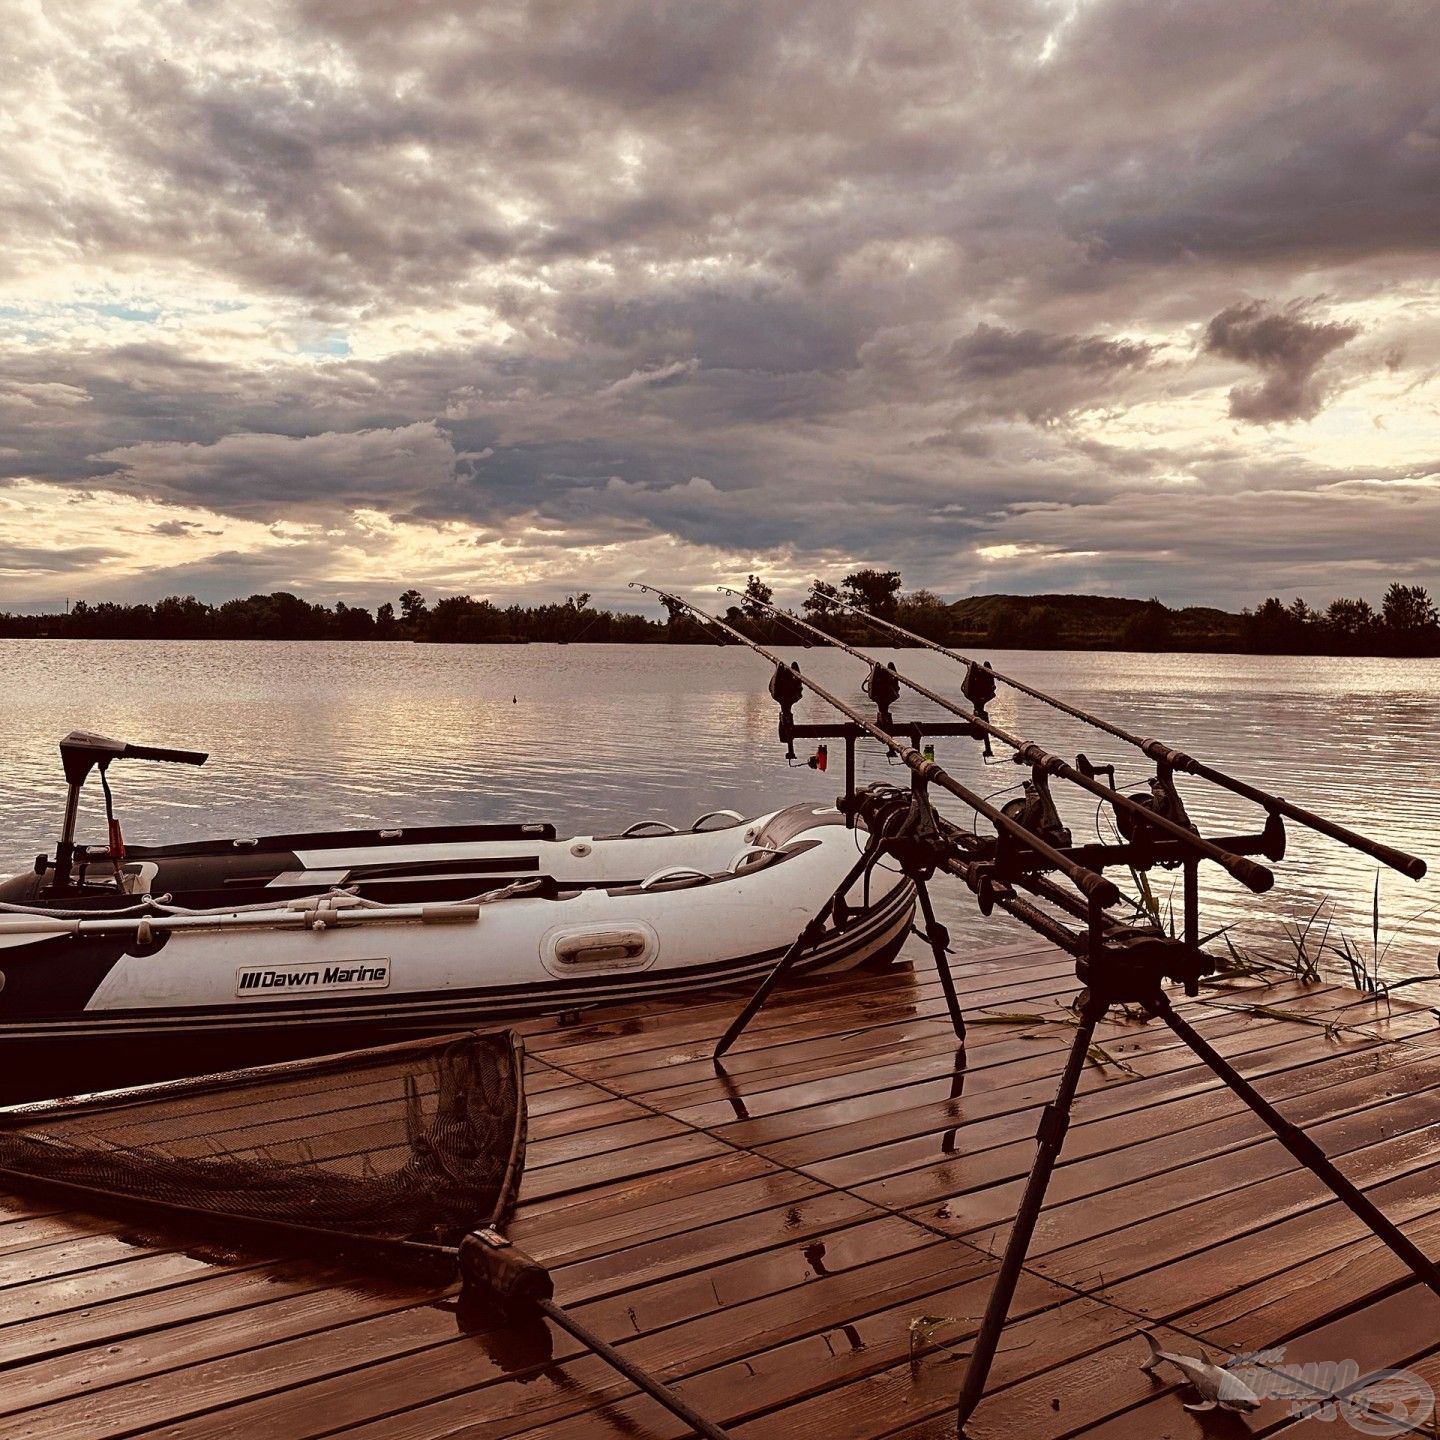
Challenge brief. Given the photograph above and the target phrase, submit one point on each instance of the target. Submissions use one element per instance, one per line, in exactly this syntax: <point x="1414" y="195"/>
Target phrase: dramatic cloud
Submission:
<point x="263" y="475"/>
<point x="1286" y="347"/>
<point x="522" y="297"/>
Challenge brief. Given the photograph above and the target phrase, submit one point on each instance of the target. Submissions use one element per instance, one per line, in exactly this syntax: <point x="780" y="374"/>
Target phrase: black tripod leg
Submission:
<point x="809" y="936"/>
<point x="1305" y="1150"/>
<point x="1050" y="1136"/>
<point x="939" y="936"/>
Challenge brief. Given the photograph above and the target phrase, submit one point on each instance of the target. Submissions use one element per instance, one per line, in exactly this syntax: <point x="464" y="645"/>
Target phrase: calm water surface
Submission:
<point x="594" y="737"/>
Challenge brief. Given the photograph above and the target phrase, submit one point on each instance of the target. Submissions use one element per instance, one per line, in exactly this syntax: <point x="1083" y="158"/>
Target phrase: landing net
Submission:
<point x="419" y="1142"/>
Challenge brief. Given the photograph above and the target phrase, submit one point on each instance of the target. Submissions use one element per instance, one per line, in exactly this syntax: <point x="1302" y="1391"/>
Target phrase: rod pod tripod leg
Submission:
<point x="939" y="938"/>
<point x="808" y="936"/>
<point x="1049" y="1137"/>
<point x="1304" y="1149"/>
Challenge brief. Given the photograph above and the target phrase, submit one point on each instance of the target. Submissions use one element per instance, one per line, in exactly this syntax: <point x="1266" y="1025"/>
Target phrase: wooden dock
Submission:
<point x="764" y="1239"/>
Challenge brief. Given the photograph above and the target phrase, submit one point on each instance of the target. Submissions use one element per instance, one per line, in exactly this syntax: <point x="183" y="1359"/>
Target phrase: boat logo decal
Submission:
<point x="306" y="977"/>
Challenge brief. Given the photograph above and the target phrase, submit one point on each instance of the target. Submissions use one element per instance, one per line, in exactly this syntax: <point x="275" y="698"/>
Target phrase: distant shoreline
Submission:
<point x="1098" y="647"/>
<point x="1406" y="626"/>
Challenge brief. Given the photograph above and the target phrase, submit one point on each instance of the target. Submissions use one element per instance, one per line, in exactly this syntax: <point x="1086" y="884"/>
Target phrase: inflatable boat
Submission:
<point x="125" y="964"/>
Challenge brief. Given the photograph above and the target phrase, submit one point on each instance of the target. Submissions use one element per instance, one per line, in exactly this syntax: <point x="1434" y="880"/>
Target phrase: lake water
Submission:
<point x="593" y="737"/>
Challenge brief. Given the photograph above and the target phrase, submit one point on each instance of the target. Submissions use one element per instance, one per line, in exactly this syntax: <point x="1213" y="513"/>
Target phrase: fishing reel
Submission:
<point x="1163" y="800"/>
<point x="1036" y="811"/>
<point x="1130" y="966"/>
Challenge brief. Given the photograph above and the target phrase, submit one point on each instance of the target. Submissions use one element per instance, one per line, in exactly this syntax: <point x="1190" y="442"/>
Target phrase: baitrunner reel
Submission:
<point x="1036" y="811"/>
<point x="1163" y="800"/>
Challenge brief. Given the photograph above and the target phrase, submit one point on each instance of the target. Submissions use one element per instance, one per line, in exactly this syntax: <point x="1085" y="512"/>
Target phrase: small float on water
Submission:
<point x="128" y="963"/>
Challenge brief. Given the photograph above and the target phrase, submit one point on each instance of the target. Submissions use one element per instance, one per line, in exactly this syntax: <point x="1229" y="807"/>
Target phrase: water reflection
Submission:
<point x="593" y="737"/>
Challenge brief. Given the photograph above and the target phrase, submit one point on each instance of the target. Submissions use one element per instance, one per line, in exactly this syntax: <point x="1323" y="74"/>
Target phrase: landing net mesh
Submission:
<point x="418" y="1142"/>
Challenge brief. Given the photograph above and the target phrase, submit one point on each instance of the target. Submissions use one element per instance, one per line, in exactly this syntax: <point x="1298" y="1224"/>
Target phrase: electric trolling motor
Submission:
<point x="81" y="752"/>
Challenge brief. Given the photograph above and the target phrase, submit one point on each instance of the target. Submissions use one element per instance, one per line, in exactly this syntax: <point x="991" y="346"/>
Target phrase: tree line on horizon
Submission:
<point x="1406" y="622"/>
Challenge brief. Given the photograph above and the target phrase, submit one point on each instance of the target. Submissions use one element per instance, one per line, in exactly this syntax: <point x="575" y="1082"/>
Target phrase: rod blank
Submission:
<point x="1096" y="887"/>
<point x="1405" y="863"/>
<point x="1254" y="876"/>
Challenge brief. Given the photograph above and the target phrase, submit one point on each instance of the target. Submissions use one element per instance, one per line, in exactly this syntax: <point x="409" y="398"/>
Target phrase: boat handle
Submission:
<point x="673" y="872"/>
<point x="733" y="816"/>
<point x="662" y="826"/>
<point x="741" y="862"/>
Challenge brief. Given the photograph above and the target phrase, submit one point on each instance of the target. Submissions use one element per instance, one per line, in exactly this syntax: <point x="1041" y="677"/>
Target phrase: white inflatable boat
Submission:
<point x="125" y="965"/>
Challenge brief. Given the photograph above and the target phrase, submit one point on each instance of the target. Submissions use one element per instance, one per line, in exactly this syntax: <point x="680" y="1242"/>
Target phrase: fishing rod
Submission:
<point x="1095" y="886"/>
<point x="1255" y="877"/>
<point x="1166" y="756"/>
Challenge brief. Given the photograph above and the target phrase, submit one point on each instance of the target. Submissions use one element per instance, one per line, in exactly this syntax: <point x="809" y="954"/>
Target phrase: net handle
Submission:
<point x="24" y="1114"/>
<point x="514" y="1168"/>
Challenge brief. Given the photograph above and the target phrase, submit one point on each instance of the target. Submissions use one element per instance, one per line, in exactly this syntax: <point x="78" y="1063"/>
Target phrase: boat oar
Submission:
<point x="1157" y="750"/>
<point x="516" y="1282"/>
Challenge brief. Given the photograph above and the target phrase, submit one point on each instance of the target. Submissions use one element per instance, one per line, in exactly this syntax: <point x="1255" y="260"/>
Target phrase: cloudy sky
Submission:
<point x="340" y="296"/>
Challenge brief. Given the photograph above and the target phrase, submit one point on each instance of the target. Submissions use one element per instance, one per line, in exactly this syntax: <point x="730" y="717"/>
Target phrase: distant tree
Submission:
<point x="385" y="622"/>
<point x="1152" y="628"/>
<point x="1269" y="627"/>
<point x="1349" y="619"/>
<point x="578" y="601"/>
<point x="872" y="590"/>
<point x="182" y="618"/>
<point x="1408" y="609"/>
<point x="412" y="606"/>
<point x="353" y="622"/>
<point x="924" y="612"/>
<point x="821" y="601"/>
<point x="1036" y="628"/>
<point x="674" y="610"/>
<point x="1409" y="623"/>
<point x="757" y="595"/>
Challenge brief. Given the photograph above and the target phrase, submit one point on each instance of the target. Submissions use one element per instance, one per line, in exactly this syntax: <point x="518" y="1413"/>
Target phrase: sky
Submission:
<point x="344" y="296"/>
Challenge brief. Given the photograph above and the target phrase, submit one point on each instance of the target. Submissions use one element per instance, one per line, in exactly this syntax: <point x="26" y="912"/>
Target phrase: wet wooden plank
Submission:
<point x="763" y="1237"/>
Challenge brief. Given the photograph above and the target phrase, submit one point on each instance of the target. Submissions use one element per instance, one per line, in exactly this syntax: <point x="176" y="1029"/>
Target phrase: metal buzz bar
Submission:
<point x="1163" y="754"/>
<point x="1255" y="877"/>
<point x="1094" y="885"/>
